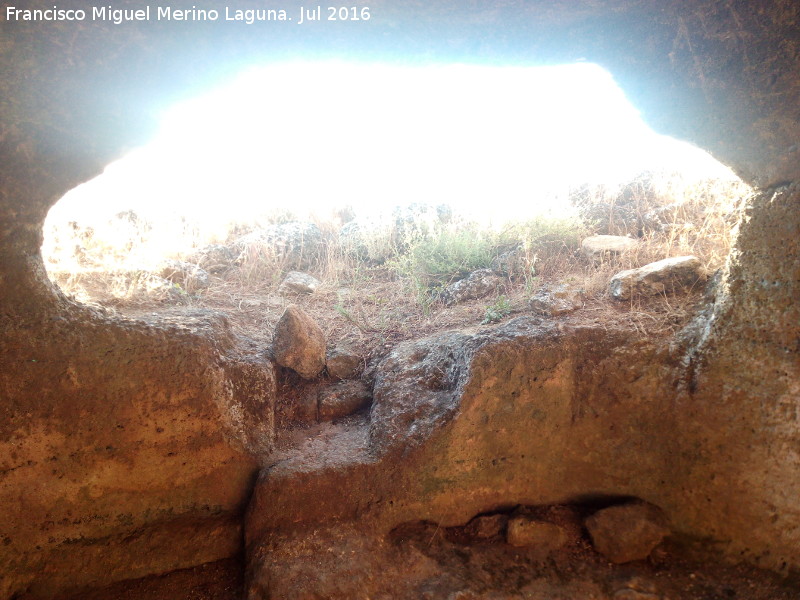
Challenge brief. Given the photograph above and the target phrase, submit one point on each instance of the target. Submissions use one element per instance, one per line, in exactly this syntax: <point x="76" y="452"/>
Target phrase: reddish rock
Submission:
<point x="344" y="364"/>
<point x="342" y="399"/>
<point x="543" y="536"/>
<point x="298" y="343"/>
<point x="486" y="526"/>
<point x="627" y="532"/>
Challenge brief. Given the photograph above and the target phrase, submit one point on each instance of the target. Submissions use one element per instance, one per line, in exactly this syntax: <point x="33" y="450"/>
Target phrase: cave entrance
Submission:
<point x="386" y="184"/>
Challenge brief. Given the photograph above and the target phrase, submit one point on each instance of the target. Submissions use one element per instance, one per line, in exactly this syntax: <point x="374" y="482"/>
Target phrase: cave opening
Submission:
<point x="478" y="381"/>
<point x="417" y="173"/>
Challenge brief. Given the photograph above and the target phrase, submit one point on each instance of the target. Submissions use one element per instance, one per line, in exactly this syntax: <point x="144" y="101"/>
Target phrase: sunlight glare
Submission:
<point x="495" y="143"/>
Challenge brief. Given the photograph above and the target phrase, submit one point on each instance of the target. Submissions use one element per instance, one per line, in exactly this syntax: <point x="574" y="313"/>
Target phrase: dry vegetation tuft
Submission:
<point x="381" y="279"/>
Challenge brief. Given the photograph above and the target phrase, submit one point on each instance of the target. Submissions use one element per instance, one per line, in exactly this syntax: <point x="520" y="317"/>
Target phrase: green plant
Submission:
<point x="447" y="256"/>
<point x="497" y="311"/>
<point x="363" y="327"/>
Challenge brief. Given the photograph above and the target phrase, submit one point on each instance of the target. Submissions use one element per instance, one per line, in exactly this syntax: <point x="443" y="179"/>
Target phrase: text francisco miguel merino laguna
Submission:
<point x="167" y="13"/>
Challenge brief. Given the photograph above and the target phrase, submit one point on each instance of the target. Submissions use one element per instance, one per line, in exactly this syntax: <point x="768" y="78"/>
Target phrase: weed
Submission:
<point x="446" y="256"/>
<point x="497" y="311"/>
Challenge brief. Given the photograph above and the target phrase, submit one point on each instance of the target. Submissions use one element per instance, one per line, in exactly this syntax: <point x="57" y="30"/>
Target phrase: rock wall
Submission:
<point x="97" y="493"/>
<point x="743" y="392"/>
<point x="119" y="449"/>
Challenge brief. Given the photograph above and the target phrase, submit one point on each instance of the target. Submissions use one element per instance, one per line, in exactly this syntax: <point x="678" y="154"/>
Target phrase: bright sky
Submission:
<point x="313" y="136"/>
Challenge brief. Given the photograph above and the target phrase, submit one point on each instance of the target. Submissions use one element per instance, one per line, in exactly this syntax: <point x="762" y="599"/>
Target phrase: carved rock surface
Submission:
<point x="486" y="527"/>
<point x="298" y="343"/>
<point x="136" y="448"/>
<point x="728" y="80"/>
<point x="663" y="276"/>
<point x="342" y="399"/>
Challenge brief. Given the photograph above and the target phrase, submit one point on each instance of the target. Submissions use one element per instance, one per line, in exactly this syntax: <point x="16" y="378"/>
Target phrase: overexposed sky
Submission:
<point x="315" y="136"/>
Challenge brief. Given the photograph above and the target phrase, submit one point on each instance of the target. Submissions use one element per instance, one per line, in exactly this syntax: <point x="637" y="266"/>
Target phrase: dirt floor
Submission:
<point x="375" y="310"/>
<point x="222" y="580"/>
<point x="499" y="572"/>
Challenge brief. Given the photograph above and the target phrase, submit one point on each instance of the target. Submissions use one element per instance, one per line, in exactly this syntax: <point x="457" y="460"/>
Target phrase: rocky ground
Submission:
<point x="493" y="570"/>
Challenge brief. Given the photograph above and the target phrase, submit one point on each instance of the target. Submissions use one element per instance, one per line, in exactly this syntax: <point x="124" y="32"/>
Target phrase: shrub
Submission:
<point x="446" y="256"/>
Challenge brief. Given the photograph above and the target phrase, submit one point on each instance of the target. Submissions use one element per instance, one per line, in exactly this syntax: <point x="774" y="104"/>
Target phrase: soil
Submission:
<point x="500" y="570"/>
<point x="221" y="580"/>
<point x="374" y="310"/>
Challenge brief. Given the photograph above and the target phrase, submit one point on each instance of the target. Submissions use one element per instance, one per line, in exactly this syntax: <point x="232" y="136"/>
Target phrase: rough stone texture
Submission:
<point x="342" y="399"/>
<point x="477" y="284"/>
<point x="449" y="437"/>
<point x="215" y="258"/>
<point x="664" y="276"/>
<point x="298" y="408"/>
<point x="725" y="76"/>
<point x="514" y="263"/>
<point x="297" y="245"/>
<point x="298" y="343"/>
<point x="486" y="527"/>
<point x="342" y="363"/>
<point x="296" y="282"/>
<point x="546" y="537"/>
<point x="742" y="392"/>
<point x="628" y="594"/>
<point x="557" y="300"/>
<point x="134" y="447"/>
<point x="189" y="276"/>
<point x="627" y="532"/>
<point x="599" y="246"/>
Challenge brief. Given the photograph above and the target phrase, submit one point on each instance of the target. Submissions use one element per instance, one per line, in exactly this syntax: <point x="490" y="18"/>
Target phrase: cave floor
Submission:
<point x="221" y="580"/>
<point x="497" y="571"/>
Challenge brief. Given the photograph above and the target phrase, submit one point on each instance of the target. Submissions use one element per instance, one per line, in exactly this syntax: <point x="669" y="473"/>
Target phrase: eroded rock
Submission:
<point x="545" y="537"/>
<point x="343" y="398"/>
<point x="629" y="594"/>
<point x="189" y="276"/>
<point x="214" y="258"/>
<point x="296" y="245"/>
<point x="627" y="532"/>
<point x="486" y="527"/>
<point x="664" y="276"/>
<point x="513" y="263"/>
<point x="741" y="392"/>
<point x="298" y="343"/>
<point x="477" y="284"/>
<point x="296" y="282"/>
<point x="557" y="300"/>
<point x="417" y="390"/>
<point x="343" y="363"/>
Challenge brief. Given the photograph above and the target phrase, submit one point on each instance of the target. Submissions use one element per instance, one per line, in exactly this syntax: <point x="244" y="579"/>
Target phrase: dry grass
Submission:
<point x="382" y="288"/>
